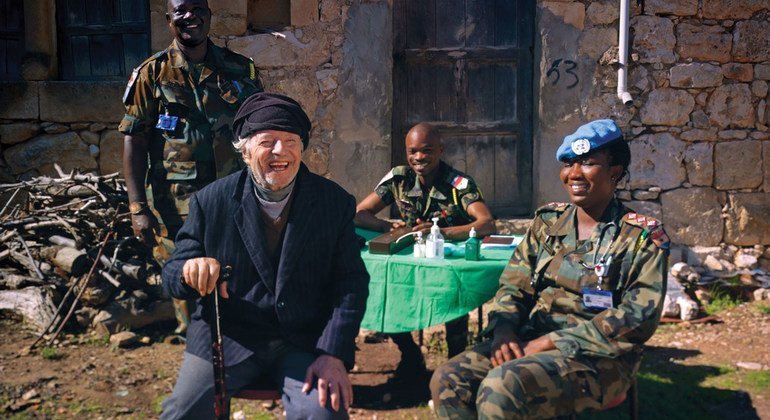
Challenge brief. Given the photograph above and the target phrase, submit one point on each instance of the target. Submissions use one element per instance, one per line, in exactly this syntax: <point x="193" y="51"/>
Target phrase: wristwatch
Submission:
<point x="137" y="207"/>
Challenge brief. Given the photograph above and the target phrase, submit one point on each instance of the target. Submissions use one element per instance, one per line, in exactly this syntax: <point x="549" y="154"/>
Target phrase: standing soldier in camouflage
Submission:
<point x="180" y="105"/>
<point x="425" y="189"/>
<point x="578" y="299"/>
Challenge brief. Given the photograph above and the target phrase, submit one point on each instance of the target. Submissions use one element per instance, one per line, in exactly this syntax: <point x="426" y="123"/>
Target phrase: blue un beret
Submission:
<point x="588" y="137"/>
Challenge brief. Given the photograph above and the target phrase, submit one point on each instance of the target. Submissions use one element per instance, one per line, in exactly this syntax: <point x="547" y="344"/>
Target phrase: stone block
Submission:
<point x="747" y="220"/>
<point x="17" y="133"/>
<point x="595" y="41"/>
<point x="268" y="50"/>
<point x="733" y="134"/>
<point x="43" y="151"/>
<point x="735" y="165"/>
<point x="695" y="75"/>
<point x="20" y="100"/>
<point x="731" y="9"/>
<point x="111" y="156"/>
<point x="302" y="86"/>
<point x="699" y="134"/>
<point x="730" y="106"/>
<point x="646" y="208"/>
<point x="81" y="101"/>
<point x="645" y="195"/>
<point x="572" y="13"/>
<point x="766" y="165"/>
<point x="703" y="42"/>
<point x="89" y="137"/>
<point x="304" y="12"/>
<point x="762" y="71"/>
<point x="692" y="216"/>
<point x="759" y="88"/>
<point x="667" y="106"/>
<point x="657" y="161"/>
<point x="653" y="39"/>
<point x="602" y="13"/>
<point x="228" y="17"/>
<point x="742" y="72"/>
<point x="54" y="128"/>
<point x="668" y="7"/>
<point x="608" y="106"/>
<point x="751" y="41"/>
<point x="699" y="161"/>
<point x="699" y="119"/>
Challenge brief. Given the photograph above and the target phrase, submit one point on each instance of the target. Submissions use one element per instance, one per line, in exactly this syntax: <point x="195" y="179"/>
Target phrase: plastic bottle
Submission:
<point x="419" y="246"/>
<point x="434" y="246"/>
<point x="472" y="246"/>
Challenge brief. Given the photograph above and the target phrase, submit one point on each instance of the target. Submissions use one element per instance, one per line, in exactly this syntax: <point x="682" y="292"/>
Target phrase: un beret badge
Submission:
<point x="581" y="146"/>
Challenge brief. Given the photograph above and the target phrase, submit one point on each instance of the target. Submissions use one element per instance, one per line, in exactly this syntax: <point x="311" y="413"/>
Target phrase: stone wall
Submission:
<point x="698" y="127"/>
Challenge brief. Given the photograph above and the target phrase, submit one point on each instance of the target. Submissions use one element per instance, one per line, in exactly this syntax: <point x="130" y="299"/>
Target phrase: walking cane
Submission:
<point x="221" y="407"/>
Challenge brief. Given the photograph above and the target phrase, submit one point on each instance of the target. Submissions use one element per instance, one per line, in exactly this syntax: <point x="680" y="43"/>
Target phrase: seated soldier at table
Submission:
<point x="427" y="188"/>
<point x="578" y="299"/>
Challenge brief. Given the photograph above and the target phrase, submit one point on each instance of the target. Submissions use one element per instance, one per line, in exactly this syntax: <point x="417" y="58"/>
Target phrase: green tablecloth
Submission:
<point x="407" y="293"/>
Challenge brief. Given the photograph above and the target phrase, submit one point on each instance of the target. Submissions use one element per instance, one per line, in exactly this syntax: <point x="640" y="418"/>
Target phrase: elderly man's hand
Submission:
<point x="505" y="346"/>
<point x="332" y="379"/>
<point x="202" y="274"/>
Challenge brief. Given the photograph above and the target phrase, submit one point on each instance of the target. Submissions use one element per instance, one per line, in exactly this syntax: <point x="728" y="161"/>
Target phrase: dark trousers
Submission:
<point x="456" y="339"/>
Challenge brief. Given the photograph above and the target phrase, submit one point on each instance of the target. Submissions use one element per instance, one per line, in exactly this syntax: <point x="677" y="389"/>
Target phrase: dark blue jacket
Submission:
<point x="316" y="296"/>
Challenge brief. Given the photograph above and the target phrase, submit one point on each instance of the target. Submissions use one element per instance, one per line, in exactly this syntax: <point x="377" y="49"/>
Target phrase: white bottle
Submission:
<point x="419" y="246"/>
<point x="434" y="246"/>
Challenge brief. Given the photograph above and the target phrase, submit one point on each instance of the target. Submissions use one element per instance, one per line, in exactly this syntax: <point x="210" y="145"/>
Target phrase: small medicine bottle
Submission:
<point x="472" y="246"/>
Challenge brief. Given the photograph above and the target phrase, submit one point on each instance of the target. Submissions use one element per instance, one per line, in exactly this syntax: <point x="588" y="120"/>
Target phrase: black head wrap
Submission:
<point x="271" y="111"/>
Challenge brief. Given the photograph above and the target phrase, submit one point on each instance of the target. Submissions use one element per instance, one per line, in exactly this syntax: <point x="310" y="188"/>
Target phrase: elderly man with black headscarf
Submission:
<point x="294" y="301"/>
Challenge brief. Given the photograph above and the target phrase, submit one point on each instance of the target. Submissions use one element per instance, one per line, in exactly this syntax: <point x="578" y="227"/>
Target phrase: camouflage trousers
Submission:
<point x="541" y="385"/>
<point x="161" y="252"/>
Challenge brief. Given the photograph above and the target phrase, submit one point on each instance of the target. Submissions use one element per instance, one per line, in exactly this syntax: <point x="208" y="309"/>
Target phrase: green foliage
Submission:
<point x="720" y="301"/>
<point x="758" y="380"/>
<point x="50" y="353"/>
<point x="156" y="404"/>
<point x="761" y="308"/>
<point x="84" y="408"/>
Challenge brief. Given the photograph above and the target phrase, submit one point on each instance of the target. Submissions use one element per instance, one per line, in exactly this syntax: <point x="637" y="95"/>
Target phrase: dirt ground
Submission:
<point x="85" y="378"/>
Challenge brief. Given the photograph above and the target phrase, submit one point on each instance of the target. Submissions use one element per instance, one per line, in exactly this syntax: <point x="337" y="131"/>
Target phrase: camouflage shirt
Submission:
<point x="448" y="199"/>
<point x="542" y="288"/>
<point x="186" y="111"/>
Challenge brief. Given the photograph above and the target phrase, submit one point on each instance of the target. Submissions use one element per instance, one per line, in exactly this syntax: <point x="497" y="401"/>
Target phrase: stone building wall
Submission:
<point x="698" y="128"/>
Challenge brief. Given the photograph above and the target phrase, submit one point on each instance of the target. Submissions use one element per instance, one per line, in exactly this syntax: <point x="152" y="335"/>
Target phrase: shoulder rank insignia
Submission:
<point x="130" y="86"/>
<point x="252" y="70"/>
<point x="652" y="227"/>
<point x="460" y="182"/>
<point x="387" y="177"/>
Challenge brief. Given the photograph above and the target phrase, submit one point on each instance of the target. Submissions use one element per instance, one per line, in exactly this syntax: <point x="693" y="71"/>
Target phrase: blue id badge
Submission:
<point x="597" y="299"/>
<point x="166" y="122"/>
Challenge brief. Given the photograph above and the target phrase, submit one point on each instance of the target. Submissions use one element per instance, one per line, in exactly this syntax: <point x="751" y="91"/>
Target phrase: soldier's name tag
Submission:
<point x="597" y="299"/>
<point x="167" y="122"/>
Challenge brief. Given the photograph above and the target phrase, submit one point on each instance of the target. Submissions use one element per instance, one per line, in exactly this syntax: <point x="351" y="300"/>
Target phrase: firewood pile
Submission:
<point x="69" y="260"/>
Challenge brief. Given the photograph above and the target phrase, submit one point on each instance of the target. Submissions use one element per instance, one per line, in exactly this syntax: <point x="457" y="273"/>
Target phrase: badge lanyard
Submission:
<point x="601" y="268"/>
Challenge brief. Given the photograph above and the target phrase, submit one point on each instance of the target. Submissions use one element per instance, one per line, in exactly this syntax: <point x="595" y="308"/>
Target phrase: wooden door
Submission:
<point x="466" y="66"/>
<point x="102" y="39"/>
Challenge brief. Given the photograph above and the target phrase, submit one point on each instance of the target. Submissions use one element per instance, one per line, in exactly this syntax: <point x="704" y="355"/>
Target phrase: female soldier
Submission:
<point x="578" y="299"/>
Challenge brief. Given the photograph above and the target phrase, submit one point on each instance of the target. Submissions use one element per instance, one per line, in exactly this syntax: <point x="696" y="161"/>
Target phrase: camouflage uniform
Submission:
<point x="541" y="293"/>
<point x="203" y="100"/>
<point x="199" y="149"/>
<point x="448" y="199"/>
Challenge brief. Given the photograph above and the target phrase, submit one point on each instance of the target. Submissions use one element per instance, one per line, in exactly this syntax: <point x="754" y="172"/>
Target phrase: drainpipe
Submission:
<point x="623" y="94"/>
